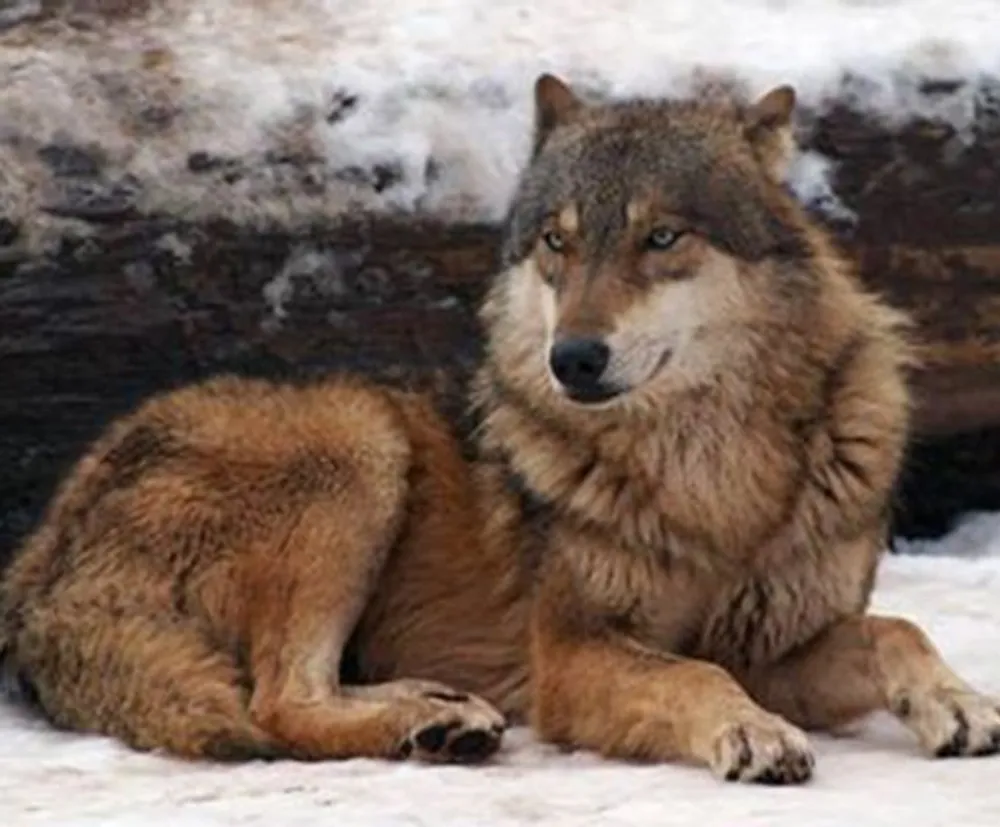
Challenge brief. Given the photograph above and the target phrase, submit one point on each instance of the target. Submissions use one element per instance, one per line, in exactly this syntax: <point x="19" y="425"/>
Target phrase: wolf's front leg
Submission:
<point x="597" y="689"/>
<point x="868" y="663"/>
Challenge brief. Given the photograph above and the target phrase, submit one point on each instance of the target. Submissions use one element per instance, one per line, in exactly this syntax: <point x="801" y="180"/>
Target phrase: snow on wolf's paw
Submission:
<point x="765" y="750"/>
<point x="454" y="728"/>
<point x="952" y="722"/>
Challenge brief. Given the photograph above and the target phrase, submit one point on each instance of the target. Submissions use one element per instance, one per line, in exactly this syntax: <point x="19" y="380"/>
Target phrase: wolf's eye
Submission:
<point x="662" y="239"/>
<point x="553" y="241"/>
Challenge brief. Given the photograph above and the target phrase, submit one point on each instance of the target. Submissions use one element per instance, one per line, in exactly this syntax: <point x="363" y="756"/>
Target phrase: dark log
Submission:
<point x="140" y="303"/>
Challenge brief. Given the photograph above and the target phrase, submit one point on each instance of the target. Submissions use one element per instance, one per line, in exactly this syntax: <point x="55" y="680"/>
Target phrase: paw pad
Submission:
<point x="455" y="743"/>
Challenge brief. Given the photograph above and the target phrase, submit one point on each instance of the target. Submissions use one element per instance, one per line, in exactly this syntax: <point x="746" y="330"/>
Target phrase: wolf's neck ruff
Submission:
<point x="646" y="484"/>
<point x="661" y="232"/>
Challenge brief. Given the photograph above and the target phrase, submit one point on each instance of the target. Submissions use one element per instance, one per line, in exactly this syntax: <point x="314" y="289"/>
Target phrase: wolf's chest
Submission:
<point x="761" y="618"/>
<point x="734" y="619"/>
<point x="689" y="492"/>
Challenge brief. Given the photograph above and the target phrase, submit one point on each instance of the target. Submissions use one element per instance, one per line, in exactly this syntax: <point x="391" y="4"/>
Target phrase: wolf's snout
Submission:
<point x="579" y="364"/>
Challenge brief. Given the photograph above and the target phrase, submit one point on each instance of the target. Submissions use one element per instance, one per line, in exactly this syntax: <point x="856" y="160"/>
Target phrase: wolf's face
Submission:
<point x="645" y="236"/>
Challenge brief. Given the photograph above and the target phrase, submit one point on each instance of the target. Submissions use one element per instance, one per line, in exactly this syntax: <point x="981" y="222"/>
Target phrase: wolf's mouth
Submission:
<point x="593" y="395"/>
<point x="662" y="363"/>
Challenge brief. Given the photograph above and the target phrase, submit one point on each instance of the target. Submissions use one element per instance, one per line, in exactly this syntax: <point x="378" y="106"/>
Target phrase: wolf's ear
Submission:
<point x="767" y="124"/>
<point x="555" y="104"/>
<point x="771" y="111"/>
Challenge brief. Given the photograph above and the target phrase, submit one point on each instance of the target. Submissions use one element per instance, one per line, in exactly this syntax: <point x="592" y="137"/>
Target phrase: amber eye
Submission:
<point x="662" y="239"/>
<point x="553" y="241"/>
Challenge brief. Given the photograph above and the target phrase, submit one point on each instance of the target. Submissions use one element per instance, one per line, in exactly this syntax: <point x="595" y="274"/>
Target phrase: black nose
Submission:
<point x="578" y="363"/>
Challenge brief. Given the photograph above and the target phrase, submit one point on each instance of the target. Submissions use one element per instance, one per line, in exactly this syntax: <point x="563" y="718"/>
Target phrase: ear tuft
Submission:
<point x="767" y="125"/>
<point x="556" y="104"/>
<point x="771" y="111"/>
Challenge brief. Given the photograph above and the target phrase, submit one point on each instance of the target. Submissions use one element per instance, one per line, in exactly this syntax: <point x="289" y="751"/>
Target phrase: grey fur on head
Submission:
<point x="705" y="167"/>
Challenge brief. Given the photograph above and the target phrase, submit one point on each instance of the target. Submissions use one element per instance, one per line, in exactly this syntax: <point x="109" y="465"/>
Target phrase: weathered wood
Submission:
<point x="953" y="295"/>
<point x="146" y="304"/>
<point x="141" y="303"/>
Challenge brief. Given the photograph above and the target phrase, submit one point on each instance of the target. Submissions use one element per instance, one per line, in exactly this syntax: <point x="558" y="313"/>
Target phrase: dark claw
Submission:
<point x="789" y="770"/>
<point x="804" y="766"/>
<point x="471" y="747"/>
<point x="770" y="777"/>
<point x="744" y="759"/>
<point x="947" y="750"/>
<point x="992" y="748"/>
<point x="435" y="737"/>
<point x="959" y="742"/>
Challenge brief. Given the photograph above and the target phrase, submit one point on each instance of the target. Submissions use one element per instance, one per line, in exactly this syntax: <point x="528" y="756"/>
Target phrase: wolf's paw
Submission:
<point x="453" y="727"/>
<point x="764" y="750"/>
<point x="952" y="722"/>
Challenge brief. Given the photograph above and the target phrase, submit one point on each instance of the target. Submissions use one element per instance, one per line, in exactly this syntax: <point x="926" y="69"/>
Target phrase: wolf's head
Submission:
<point x="646" y="238"/>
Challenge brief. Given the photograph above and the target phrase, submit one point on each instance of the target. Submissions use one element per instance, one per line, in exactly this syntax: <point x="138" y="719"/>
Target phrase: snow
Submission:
<point x="951" y="587"/>
<point x="438" y="91"/>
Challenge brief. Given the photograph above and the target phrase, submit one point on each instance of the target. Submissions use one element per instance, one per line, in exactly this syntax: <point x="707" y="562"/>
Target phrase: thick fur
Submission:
<point x="200" y="572"/>
<point x="678" y="571"/>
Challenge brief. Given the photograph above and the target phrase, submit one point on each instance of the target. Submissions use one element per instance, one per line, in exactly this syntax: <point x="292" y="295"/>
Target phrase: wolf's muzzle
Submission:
<point x="578" y="364"/>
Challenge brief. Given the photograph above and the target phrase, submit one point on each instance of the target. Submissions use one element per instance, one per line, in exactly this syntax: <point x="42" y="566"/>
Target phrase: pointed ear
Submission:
<point x="772" y="111"/>
<point x="555" y="105"/>
<point x="767" y="124"/>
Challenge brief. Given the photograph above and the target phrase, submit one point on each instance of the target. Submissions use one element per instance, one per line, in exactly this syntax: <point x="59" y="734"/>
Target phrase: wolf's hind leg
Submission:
<point x="308" y="593"/>
<point x="151" y="680"/>
<point x="869" y="663"/>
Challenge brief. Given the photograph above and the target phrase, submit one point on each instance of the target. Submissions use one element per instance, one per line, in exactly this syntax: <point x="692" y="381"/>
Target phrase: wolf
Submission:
<point x="690" y="418"/>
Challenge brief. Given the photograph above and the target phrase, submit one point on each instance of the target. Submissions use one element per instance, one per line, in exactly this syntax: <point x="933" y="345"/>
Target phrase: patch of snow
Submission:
<point x="875" y="779"/>
<point x="319" y="271"/>
<point x="809" y="178"/>
<point x="976" y="534"/>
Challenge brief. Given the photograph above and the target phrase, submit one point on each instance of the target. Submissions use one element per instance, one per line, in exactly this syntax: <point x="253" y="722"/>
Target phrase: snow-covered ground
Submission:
<point x="951" y="587"/>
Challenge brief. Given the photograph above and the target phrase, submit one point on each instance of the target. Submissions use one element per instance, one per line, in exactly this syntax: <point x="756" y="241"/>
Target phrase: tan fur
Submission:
<point x="200" y="573"/>
<point x="679" y="570"/>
